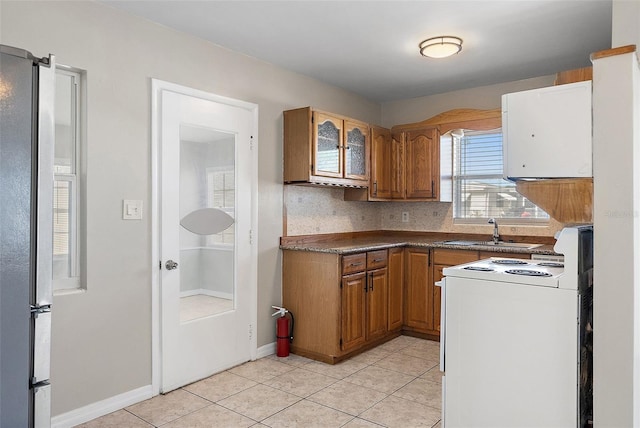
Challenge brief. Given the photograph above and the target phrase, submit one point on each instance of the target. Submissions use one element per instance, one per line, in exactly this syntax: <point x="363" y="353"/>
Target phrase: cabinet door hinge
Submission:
<point x="160" y="265"/>
<point x="340" y="341"/>
<point x="251" y="143"/>
<point x="250" y="236"/>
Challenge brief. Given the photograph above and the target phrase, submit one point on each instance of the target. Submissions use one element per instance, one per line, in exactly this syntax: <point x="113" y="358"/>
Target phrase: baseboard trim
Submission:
<point x="266" y="350"/>
<point x="104" y="407"/>
<point x="101" y="408"/>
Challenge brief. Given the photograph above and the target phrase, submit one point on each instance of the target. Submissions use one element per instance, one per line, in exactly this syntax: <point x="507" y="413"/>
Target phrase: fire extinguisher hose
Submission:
<point x="292" y="322"/>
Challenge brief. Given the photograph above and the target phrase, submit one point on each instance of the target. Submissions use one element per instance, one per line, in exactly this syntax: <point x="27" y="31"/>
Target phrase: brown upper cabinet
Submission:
<point x="422" y="159"/>
<point x="404" y="165"/>
<point x="413" y="162"/>
<point x="380" y="185"/>
<point x="324" y="148"/>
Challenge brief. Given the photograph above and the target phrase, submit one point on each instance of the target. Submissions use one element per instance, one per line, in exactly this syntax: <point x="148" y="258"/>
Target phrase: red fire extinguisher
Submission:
<point x="284" y="336"/>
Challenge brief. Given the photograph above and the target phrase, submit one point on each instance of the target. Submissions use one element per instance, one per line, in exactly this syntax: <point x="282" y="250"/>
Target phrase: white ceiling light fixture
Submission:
<point x="441" y="46"/>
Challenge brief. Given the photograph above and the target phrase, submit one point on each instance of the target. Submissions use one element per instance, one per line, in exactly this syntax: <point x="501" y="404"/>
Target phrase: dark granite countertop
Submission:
<point x="362" y="244"/>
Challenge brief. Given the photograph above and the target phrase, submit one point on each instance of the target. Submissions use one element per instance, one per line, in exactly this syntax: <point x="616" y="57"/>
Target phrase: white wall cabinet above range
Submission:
<point x="547" y="132"/>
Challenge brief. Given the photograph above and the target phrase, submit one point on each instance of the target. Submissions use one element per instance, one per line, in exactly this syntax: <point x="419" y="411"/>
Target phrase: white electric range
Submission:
<point x="513" y="332"/>
<point x="517" y="271"/>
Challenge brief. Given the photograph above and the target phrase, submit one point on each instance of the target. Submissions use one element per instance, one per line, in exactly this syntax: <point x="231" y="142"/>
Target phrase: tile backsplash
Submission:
<point x="316" y="210"/>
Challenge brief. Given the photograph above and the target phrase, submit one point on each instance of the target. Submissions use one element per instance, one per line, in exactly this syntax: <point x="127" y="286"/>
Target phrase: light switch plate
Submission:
<point x="131" y="209"/>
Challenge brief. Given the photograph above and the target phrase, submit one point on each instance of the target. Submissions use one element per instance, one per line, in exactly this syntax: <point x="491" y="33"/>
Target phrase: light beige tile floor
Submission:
<point x="201" y="305"/>
<point x="397" y="384"/>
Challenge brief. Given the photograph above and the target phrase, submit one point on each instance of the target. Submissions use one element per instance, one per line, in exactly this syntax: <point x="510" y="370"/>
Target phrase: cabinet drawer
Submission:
<point x="376" y="259"/>
<point x="453" y="257"/>
<point x="354" y="263"/>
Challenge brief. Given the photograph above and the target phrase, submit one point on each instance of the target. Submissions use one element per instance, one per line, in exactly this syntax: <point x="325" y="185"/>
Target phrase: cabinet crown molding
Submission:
<point x="464" y="118"/>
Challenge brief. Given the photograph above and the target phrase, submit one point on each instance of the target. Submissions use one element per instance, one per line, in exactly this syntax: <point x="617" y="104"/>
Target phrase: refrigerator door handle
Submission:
<point x="45" y="150"/>
<point x="41" y="344"/>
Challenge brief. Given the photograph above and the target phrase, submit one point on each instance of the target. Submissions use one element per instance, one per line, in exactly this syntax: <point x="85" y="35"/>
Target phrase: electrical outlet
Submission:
<point x="405" y="217"/>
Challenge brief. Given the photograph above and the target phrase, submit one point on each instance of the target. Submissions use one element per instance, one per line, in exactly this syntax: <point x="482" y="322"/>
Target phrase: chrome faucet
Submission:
<point x="496" y="235"/>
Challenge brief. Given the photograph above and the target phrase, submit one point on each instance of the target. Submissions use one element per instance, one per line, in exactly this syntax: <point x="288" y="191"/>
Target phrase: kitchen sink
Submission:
<point x="501" y="244"/>
<point x="510" y="244"/>
<point x="462" y="243"/>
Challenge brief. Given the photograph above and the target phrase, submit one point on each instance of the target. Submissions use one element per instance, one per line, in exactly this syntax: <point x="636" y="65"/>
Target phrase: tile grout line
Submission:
<point x="142" y="419"/>
<point x="217" y="404"/>
<point x="334" y="380"/>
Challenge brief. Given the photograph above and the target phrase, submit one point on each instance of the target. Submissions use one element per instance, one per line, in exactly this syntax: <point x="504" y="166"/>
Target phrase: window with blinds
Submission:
<point x="479" y="191"/>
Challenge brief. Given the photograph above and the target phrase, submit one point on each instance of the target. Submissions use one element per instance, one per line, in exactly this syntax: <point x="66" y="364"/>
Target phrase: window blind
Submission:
<point x="479" y="190"/>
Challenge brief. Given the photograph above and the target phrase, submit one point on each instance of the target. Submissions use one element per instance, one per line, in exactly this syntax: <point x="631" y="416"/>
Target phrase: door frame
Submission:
<point x="157" y="87"/>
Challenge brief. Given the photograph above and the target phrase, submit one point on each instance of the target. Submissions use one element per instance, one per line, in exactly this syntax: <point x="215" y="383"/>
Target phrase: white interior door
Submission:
<point x="207" y="264"/>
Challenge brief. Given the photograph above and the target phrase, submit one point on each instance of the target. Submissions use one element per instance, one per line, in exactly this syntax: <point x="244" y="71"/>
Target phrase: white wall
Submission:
<point x="616" y="153"/>
<point x="102" y="337"/>
<point x="625" y="17"/>
<point x="483" y="97"/>
<point x="616" y="143"/>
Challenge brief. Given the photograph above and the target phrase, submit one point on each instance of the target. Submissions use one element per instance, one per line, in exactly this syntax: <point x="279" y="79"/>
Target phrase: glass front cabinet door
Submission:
<point x="328" y="137"/>
<point x="340" y="147"/>
<point x="355" y="150"/>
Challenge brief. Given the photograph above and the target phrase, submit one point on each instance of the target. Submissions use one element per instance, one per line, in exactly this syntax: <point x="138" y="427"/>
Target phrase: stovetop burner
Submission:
<point x="551" y="264"/>
<point x="509" y="262"/>
<point x="479" y="268"/>
<point x="527" y="272"/>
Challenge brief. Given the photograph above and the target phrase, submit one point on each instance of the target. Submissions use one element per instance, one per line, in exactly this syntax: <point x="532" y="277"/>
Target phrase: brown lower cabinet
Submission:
<point x="418" y="316"/>
<point x="423" y="269"/>
<point x="395" y="314"/>
<point x="346" y="304"/>
<point x="340" y="303"/>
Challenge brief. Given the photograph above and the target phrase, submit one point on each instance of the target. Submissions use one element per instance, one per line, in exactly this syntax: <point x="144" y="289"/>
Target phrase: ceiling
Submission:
<point x="371" y="47"/>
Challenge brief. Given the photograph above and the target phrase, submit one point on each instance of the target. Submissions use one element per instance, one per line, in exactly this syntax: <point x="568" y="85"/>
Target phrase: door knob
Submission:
<point x="171" y="265"/>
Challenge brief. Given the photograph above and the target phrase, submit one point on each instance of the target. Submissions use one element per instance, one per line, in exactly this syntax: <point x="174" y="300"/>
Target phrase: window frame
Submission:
<point x="75" y="280"/>
<point x="456" y="179"/>
<point x="211" y="173"/>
